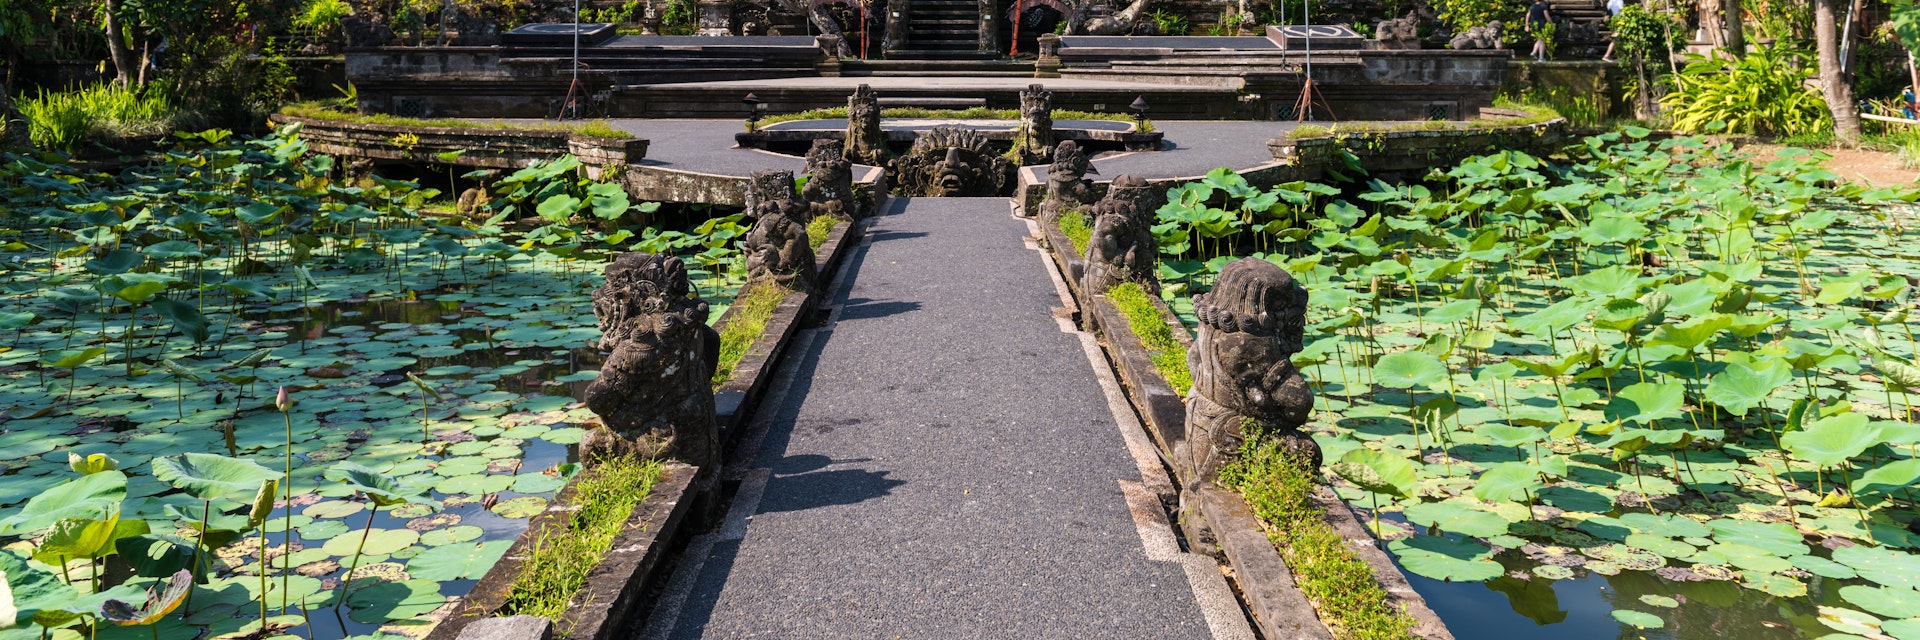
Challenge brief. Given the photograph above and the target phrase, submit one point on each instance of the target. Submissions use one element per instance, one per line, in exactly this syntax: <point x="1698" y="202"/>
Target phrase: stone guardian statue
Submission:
<point x="1122" y="248"/>
<point x="829" y="190"/>
<point x="776" y="247"/>
<point x="655" y="391"/>
<point x="1067" y="183"/>
<point x="1244" y="381"/>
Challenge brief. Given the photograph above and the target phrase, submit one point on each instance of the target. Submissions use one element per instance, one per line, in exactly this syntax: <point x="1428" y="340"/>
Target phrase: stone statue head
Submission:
<point x="645" y="293"/>
<point x="1070" y="163"/>
<point x="1259" y="298"/>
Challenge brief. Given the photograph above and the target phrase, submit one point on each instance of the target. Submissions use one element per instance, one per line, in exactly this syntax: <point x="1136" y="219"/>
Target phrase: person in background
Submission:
<point x="1614" y="7"/>
<point x="1538" y="15"/>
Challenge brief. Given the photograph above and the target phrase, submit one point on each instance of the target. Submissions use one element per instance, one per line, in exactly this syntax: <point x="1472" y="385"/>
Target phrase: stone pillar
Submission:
<point x="776" y="247"/>
<point x="1067" y="183"/>
<point x="1244" y="382"/>
<point x="655" y="391"/>
<point x="866" y="143"/>
<point x="829" y="190"/>
<point x="1122" y="248"/>
<point x="1035" y="137"/>
<point x="829" y="63"/>
<point x="989" y="26"/>
<point x="1048" y="63"/>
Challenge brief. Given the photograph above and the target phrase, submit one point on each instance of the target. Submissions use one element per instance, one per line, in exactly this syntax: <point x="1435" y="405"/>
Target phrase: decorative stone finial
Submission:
<point x="866" y="143"/>
<point x="1244" y="381"/>
<point x="1035" y="137"/>
<point x="777" y="247"/>
<point x="655" y="390"/>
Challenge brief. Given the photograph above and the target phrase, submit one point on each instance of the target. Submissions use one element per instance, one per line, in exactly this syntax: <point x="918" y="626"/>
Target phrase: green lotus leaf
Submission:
<point x="1885" y="567"/>
<point x="1776" y="538"/>
<point x="1661" y="601"/>
<point x="34" y="590"/>
<point x="1377" y="472"/>
<point x="1832" y="440"/>
<point x="1739" y="388"/>
<point x="115" y="262"/>
<point x="1883" y="601"/>
<point x="1446" y="559"/>
<point x="208" y="476"/>
<point x="1823" y="567"/>
<point x="87" y="497"/>
<point x="1455" y="517"/>
<point x="1906" y="629"/>
<point x="1849" y="621"/>
<point x="1408" y="369"/>
<point x="81" y="538"/>
<point x="453" y="534"/>
<point x="379" y="542"/>
<point x="1646" y="402"/>
<point x="1666" y="547"/>
<point x="382" y="489"/>
<point x="1507" y="481"/>
<point x="537" y="483"/>
<point x="1639" y="619"/>
<point x="457" y="561"/>
<point x="73" y="359"/>
<point x="1889" y="477"/>
<point x="155" y="556"/>
<point x="380" y="602"/>
<point x="475" y="484"/>
<point x="1510" y="436"/>
<point x="1669" y="525"/>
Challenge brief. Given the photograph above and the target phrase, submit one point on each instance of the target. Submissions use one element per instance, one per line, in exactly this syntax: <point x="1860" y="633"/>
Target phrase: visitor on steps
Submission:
<point x="1614" y="7"/>
<point x="1538" y="16"/>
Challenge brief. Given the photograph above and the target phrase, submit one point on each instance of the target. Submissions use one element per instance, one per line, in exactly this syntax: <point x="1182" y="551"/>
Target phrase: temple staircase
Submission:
<point x="944" y="30"/>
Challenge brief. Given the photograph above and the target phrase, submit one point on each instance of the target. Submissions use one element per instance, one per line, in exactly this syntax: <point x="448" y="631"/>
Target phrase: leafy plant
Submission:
<point x="1764" y="93"/>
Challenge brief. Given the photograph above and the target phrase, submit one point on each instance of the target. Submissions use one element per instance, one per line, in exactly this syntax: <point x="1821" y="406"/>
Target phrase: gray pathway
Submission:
<point x="941" y="461"/>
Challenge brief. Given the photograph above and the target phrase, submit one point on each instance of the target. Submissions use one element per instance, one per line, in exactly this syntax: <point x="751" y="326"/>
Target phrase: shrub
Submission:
<point x="63" y="120"/>
<point x="1763" y="93"/>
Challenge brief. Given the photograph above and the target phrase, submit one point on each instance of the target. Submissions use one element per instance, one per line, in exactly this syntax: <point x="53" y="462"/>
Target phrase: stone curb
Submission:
<point x="602" y="606"/>
<point x="1265" y="582"/>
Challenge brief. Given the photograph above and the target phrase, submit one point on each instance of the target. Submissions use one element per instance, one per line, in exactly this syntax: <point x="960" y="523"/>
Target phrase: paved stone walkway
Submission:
<point x="942" y="460"/>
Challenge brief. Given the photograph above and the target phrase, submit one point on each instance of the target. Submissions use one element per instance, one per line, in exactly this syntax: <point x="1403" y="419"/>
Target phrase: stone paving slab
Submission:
<point x="944" y="465"/>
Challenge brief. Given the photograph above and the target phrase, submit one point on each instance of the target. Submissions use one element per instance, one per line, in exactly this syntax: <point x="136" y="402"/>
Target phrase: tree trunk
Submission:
<point x="117" y="45"/>
<point x="1736" y="31"/>
<point x="1913" y="75"/>
<point x="1834" y="84"/>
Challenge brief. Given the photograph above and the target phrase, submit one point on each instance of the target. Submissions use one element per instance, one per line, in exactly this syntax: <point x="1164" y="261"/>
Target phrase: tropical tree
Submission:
<point x="1834" y="83"/>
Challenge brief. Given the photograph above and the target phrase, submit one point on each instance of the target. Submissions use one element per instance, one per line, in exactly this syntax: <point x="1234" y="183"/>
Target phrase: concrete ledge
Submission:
<point x="1280" y="610"/>
<point x="612" y="593"/>
<point x="485" y="147"/>
<point x="1389" y="152"/>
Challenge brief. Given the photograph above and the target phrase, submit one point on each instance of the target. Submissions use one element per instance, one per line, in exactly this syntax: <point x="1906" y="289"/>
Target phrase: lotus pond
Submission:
<point x="228" y="368"/>
<point x="1650" y="390"/>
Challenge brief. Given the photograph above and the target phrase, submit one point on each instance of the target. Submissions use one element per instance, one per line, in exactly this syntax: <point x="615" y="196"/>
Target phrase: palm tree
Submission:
<point x="1835" y="86"/>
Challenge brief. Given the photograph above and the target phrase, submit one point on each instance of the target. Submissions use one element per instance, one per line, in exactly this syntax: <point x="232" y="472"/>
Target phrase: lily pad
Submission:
<point x="1639" y="619"/>
<point x="382" y="601"/>
<point x="1446" y="559"/>
<point x="457" y="561"/>
<point x="378" y="542"/>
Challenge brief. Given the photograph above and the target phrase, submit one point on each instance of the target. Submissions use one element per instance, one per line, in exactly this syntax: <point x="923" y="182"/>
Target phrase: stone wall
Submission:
<point x="1604" y="84"/>
<point x="488" y="148"/>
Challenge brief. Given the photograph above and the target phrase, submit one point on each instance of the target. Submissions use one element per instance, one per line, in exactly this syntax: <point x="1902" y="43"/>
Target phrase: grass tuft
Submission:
<point x="1078" y="229"/>
<point x="560" y="559"/>
<point x="752" y="308"/>
<point x="1169" y="356"/>
<point x="1338" y="582"/>
<point x="320" y="111"/>
<point x="818" y="229"/>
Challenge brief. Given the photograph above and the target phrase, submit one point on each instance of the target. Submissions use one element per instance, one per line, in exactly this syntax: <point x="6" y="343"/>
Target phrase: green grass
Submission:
<point x="1536" y="114"/>
<point x="1078" y="229"/>
<point x="752" y="308"/>
<point x="1169" y="356"/>
<point x="64" y="119"/>
<point x="818" y="229"/>
<point x="975" y="113"/>
<point x="561" y="557"/>
<point x="318" y="111"/>
<point x="1338" y="582"/>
